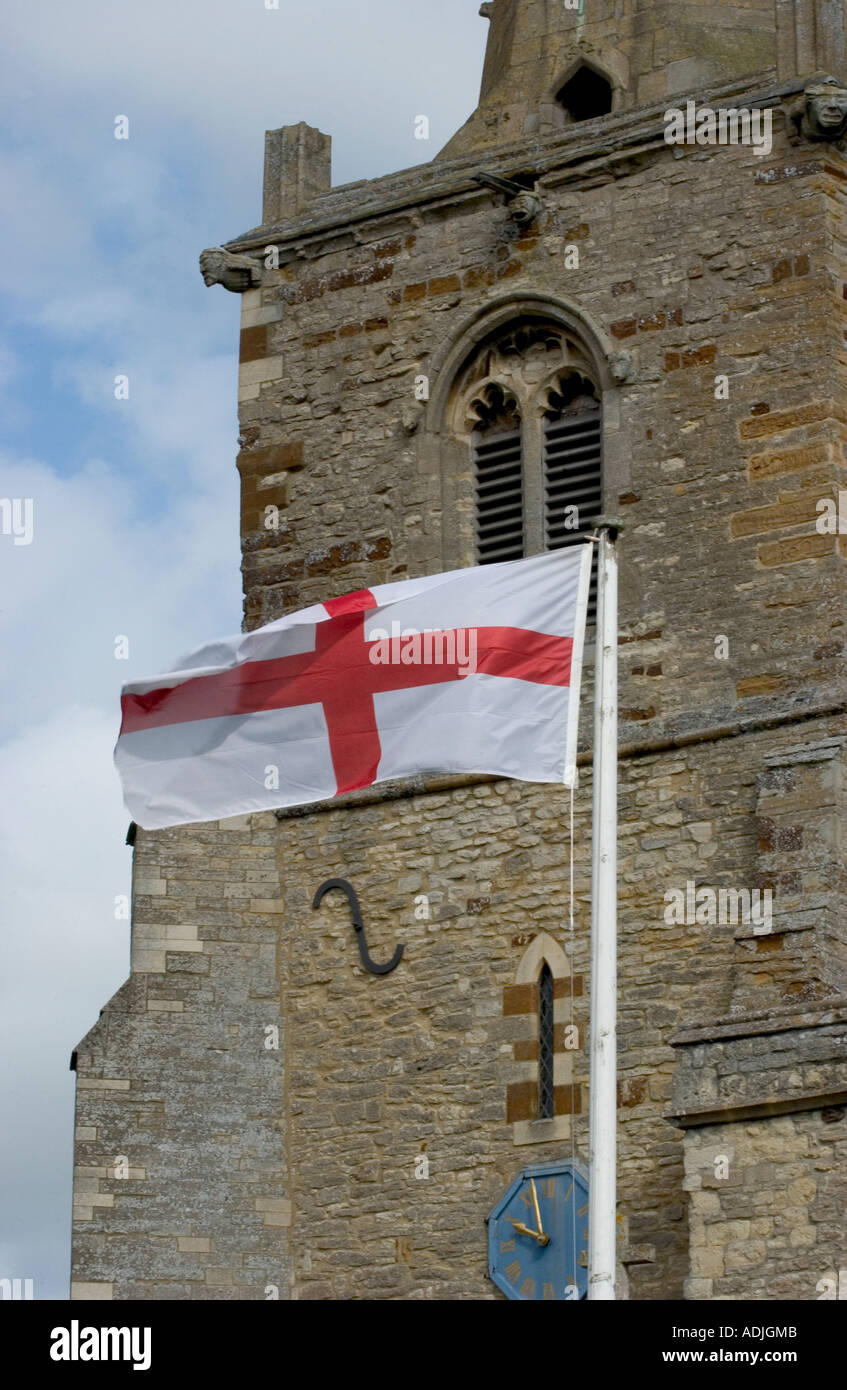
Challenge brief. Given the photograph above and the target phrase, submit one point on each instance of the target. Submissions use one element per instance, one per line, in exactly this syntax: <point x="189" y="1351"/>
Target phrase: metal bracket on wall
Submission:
<point x="358" y="924"/>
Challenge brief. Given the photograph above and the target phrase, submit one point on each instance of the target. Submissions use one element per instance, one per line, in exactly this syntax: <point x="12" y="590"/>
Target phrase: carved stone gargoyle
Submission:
<point x="821" y="112"/>
<point x="234" y="272"/>
<point x="524" y="208"/>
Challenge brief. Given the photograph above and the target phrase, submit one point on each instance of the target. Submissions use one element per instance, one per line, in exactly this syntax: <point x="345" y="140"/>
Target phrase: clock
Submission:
<point x="538" y="1234"/>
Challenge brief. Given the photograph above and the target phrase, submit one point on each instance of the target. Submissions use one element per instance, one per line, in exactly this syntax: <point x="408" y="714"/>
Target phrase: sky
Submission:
<point x="133" y="502"/>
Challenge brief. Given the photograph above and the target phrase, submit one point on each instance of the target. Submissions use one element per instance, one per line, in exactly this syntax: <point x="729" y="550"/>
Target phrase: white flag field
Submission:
<point x="475" y="670"/>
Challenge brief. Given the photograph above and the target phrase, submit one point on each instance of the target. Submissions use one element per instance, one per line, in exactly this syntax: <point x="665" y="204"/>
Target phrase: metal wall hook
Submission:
<point x="358" y="924"/>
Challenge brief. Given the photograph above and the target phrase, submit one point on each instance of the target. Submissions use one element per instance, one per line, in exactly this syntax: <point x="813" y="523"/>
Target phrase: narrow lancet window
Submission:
<point x="545" y="1043"/>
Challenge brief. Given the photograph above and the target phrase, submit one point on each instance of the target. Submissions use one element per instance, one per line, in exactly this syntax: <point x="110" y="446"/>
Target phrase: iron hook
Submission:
<point x="358" y="925"/>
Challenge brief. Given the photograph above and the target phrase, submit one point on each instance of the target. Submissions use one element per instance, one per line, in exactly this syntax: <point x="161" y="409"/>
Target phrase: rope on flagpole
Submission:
<point x="570" y="914"/>
<point x="572" y="958"/>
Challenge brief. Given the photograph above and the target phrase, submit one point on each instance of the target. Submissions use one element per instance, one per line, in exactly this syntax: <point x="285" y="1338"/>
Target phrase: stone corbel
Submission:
<point x="622" y="367"/>
<point x="235" y="272"/>
<point x="820" y="113"/>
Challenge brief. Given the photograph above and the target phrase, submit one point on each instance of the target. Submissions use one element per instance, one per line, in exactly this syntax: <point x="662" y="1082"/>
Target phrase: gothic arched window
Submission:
<point x="528" y="401"/>
<point x="544" y="1089"/>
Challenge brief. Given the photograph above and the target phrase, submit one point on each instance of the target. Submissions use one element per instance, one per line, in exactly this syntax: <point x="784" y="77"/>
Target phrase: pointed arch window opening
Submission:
<point x="545" y="1044"/>
<point x="586" y="95"/>
<point x="538" y="482"/>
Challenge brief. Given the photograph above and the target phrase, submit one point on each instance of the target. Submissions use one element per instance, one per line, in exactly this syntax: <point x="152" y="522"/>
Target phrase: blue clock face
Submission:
<point x="538" y="1234"/>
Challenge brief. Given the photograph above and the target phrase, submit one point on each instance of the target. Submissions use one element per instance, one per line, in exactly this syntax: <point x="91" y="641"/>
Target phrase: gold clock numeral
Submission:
<point x="583" y="1210"/>
<point x="582" y="1259"/>
<point x="585" y="1234"/>
<point x="548" y="1187"/>
<point x="528" y="1288"/>
<point x="526" y="1198"/>
<point x="549" y="1292"/>
<point x="506" y="1245"/>
<point x="513" y="1271"/>
<point x="568" y="1193"/>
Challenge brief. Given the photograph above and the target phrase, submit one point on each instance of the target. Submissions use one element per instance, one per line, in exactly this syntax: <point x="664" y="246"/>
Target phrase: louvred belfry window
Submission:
<point x="573" y="469"/>
<point x="527" y="401"/>
<point x="498" y="481"/>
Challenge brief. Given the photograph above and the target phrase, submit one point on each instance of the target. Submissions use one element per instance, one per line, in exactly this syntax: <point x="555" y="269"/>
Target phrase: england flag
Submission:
<point x="475" y="670"/>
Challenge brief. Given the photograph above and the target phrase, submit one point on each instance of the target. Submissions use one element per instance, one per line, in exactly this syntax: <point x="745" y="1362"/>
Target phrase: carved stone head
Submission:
<point x="524" y="208"/>
<point x="826" y="110"/>
<point x="234" y="272"/>
<point x="211" y="265"/>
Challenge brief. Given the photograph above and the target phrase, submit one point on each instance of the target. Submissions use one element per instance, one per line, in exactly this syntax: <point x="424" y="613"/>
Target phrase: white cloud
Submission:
<point x="221" y="72"/>
<point x="98" y="567"/>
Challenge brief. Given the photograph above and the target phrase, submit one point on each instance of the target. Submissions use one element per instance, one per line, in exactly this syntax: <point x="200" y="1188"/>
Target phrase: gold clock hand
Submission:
<point x="538" y="1220"/>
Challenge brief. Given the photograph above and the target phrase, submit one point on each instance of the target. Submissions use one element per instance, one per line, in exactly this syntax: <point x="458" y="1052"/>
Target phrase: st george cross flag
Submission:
<point x="475" y="670"/>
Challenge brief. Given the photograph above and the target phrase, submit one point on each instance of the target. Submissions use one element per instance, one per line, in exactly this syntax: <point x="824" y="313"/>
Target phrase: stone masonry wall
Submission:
<point x="718" y="262"/>
<point x="296" y="1167"/>
<point x="774" y="1227"/>
<point x="175" y="1079"/>
<point x="647" y="52"/>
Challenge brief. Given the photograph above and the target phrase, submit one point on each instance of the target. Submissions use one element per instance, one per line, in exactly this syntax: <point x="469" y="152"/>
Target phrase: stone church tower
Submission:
<point x="561" y="310"/>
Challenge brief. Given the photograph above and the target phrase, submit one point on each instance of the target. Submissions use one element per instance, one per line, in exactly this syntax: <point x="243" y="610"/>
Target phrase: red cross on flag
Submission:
<point x="476" y="670"/>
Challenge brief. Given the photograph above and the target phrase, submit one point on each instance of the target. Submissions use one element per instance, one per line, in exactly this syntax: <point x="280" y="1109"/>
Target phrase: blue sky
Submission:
<point x="135" y="502"/>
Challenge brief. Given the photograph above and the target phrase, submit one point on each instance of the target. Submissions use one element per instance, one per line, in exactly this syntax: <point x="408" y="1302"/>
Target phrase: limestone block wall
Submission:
<point x="718" y="263"/>
<point x="296" y="1167"/>
<point x="773" y="1228"/>
<point x="179" y="1187"/>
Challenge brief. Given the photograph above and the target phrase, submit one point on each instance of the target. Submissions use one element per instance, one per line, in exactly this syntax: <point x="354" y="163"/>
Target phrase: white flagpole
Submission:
<point x="603" y="1101"/>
